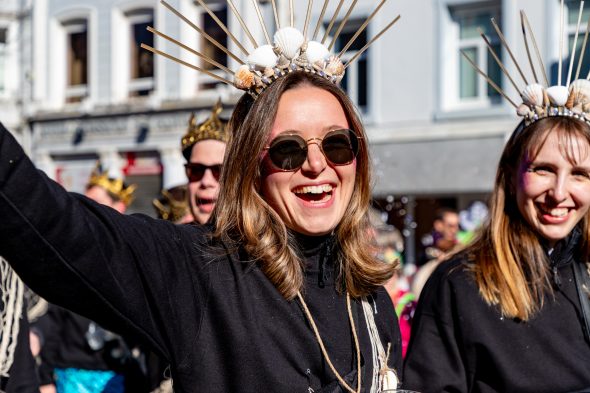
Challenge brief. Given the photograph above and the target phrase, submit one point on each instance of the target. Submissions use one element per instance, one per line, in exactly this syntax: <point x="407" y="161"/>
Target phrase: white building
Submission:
<point x="87" y="91"/>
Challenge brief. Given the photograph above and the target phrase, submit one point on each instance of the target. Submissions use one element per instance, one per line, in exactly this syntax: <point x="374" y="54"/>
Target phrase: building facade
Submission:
<point x="80" y="88"/>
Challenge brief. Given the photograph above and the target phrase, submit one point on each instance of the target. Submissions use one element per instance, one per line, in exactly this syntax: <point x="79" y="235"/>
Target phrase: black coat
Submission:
<point x="207" y="309"/>
<point x="461" y="344"/>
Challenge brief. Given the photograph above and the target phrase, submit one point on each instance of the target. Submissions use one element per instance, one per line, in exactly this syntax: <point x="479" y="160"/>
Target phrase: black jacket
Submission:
<point x="461" y="344"/>
<point x="207" y="309"/>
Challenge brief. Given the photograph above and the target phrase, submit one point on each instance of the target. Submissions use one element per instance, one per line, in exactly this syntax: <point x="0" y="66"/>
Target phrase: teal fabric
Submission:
<point x="73" y="380"/>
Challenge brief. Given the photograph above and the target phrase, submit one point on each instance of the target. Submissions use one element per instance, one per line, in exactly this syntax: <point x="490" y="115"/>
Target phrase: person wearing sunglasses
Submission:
<point x="280" y="292"/>
<point x="203" y="147"/>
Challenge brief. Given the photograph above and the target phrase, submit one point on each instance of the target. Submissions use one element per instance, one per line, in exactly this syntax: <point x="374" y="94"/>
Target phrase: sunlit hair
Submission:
<point x="243" y="217"/>
<point x="510" y="265"/>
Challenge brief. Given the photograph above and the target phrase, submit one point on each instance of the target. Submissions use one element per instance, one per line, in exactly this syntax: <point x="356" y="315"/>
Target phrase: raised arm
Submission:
<point x="121" y="271"/>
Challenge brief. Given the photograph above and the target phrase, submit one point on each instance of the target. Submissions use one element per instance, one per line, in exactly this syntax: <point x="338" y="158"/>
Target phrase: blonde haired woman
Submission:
<point x="281" y="294"/>
<point x="508" y="313"/>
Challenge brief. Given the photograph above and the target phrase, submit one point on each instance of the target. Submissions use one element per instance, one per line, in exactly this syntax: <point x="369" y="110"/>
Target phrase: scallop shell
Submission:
<point x="316" y="52"/>
<point x="533" y="94"/>
<point x="558" y="95"/>
<point x="288" y="40"/>
<point x="268" y="72"/>
<point x="244" y="78"/>
<point x="579" y="93"/>
<point x="263" y="57"/>
<point x="335" y="67"/>
<point x="524" y="110"/>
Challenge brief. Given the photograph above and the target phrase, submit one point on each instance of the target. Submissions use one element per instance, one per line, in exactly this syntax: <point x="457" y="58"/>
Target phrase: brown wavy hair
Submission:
<point x="510" y="265"/>
<point x="243" y="218"/>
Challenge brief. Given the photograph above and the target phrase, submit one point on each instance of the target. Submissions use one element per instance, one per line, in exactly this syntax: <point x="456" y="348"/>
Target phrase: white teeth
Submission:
<point x="557" y="212"/>
<point x="313" y="189"/>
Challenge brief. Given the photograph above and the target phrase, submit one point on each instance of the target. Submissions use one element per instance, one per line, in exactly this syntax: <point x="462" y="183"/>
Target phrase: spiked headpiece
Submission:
<point x="289" y="50"/>
<point x="114" y="186"/>
<point x="539" y="98"/>
<point x="212" y="128"/>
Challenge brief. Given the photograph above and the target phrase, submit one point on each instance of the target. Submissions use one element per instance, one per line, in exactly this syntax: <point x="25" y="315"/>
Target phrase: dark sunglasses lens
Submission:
<point x="340" y="147"/>
<point x="288" y="153"/>
<point x="195" y="172"/>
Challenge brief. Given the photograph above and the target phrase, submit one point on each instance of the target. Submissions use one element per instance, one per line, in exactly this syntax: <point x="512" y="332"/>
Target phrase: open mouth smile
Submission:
<point x="314" y="194"/>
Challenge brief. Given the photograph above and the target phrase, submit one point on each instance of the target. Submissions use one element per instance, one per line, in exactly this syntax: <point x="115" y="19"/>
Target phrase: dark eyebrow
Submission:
<point x="325" y="129"/>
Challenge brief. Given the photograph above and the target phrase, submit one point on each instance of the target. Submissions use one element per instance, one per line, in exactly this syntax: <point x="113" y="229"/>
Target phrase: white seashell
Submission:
<point x="558" y="95"/>
<point x="268" y="72"/>
<point x="335" y="67"/>
<point x="580" y="92"/>
<point x="263" y="57"/>
<point x="533" y="94"/>
<point x="244" y="78"/>
<point x="316" y="52"/>
<point x="524" y="110"/>
<point x="389" y="380"/>
<point x="288" y="40"/>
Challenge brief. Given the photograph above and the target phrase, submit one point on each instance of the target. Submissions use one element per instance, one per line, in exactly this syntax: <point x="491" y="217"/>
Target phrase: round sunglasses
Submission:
<point x="288" y="152"/>
<point x="195" y="172"/>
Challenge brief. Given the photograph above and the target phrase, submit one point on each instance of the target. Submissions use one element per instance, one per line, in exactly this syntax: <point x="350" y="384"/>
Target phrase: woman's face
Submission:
<point x="552" y="194"/>
<point x="312" y="199"/>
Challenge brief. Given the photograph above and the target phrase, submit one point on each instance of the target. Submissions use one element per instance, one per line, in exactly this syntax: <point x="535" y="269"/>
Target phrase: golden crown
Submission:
<point x="212" y="128"/>
<point x="290" y="50"/>
<point x="540" y="99"/>
<point x="169" y="208"/>
<point x="115" y="187"/>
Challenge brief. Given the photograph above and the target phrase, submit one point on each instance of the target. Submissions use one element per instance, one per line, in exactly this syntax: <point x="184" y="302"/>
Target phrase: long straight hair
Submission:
<point x="244" y="218"/>
<point x="510" y="265"/>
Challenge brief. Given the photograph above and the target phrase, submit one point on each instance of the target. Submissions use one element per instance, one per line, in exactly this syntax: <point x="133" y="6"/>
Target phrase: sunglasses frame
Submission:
<point x="304" y="144"/>
<point x="189" y="165"/>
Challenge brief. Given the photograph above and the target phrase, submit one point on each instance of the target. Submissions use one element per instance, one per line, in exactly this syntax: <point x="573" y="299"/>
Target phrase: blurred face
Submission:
<point x="449" y="226"/>
<point x="313" y="198"/>
<point x="203" y="185"/>
<point x="100" y="195"/>
<point x="552" y="194"/>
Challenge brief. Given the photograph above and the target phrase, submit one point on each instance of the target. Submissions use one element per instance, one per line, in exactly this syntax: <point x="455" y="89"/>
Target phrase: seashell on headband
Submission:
<point x="542" y="100"/>
<point x="290" y="49"/>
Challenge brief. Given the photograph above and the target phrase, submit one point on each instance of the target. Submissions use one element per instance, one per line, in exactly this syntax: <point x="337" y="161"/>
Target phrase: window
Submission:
<point x="3" y="34"/>
<point x="355" y="81"/>
<point x="210" y="26"/>
<point x="573" y="9"/>
<point x="77" y="60"/>
<point x="471" y="86"/>
<point x="141" y="61"/>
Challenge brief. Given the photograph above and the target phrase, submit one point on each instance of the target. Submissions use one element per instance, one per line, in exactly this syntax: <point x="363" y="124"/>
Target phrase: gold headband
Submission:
<point x="212" y="128"/>
<point x="114" y="186"/>
<point x="169" y="208"/>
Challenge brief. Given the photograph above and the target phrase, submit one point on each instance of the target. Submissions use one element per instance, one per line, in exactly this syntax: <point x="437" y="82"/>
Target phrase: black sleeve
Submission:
<point x="125" y="272"/>
<point x="433" y="363"/>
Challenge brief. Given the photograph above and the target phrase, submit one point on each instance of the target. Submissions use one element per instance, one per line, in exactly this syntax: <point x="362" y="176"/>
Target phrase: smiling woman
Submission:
<point x="511" y="311"/>
<point x="282" y="290"/>
<point x="513" y="303"/>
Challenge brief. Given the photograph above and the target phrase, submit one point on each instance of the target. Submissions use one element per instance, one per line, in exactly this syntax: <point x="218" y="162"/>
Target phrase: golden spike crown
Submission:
<point x="170" y="208"/>
<point x="115" y="187"/>
<point x="290" y="49"/>
<point x="212" y="128"/>
<point x="539" y="99"/>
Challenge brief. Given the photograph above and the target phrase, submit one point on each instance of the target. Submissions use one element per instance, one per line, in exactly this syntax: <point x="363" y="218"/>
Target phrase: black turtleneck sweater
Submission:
<point x="203" y="306"/>
<point x="461" y="344"/>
